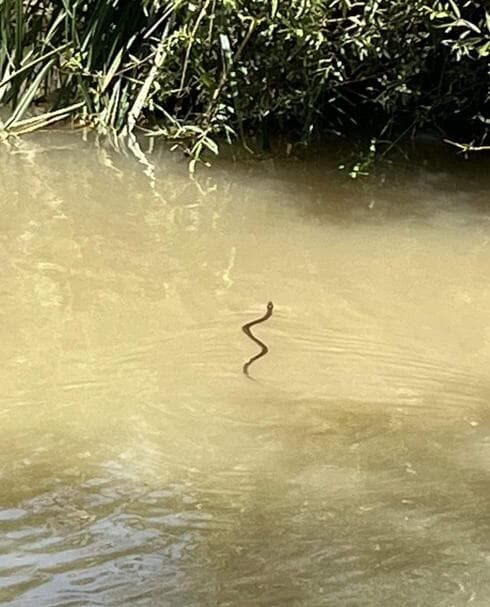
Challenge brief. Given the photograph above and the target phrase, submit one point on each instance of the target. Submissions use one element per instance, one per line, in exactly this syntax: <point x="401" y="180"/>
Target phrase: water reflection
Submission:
<point x="137" y="464"/>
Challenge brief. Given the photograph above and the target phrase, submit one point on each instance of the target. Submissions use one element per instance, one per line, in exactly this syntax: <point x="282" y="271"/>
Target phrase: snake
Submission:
<point x="246" y="329"/>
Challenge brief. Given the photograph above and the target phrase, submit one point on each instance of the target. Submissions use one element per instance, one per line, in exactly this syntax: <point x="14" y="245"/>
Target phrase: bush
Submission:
<point x="198" y="71"/>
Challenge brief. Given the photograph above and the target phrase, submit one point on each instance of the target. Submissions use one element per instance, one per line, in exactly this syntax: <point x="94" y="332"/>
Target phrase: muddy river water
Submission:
<point x="139" y="466"/>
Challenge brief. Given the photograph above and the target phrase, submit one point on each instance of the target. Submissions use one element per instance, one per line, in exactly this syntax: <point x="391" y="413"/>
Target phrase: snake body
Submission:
<point x="246" y="329"/>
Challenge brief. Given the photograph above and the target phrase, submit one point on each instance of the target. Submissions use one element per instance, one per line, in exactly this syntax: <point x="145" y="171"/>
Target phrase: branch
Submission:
<point x="468" y="147"/>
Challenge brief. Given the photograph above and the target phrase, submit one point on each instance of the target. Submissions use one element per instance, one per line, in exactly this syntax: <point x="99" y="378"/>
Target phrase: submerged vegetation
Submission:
<point x="200" y="71"/>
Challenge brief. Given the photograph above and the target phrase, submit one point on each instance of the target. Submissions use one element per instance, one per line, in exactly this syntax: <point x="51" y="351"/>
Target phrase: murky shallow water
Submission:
<point x="138" y="466"/>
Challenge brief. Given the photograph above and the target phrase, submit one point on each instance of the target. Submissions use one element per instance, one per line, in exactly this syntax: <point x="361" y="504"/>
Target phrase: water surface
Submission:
<point x="138" y="466"/>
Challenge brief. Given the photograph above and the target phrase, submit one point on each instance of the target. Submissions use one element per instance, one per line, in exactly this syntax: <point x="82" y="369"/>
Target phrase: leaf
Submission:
<point x="112" y="70"/>
<point x="211" y="145"/>
<point x="28" y="96"/>
<point x="275" y="4"/>
<point x="455" y="8"/>
<point x="31" y="64"/>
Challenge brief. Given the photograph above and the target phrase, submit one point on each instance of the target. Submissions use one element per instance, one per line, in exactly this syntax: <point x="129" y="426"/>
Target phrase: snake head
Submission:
<point x="270" y="306"/>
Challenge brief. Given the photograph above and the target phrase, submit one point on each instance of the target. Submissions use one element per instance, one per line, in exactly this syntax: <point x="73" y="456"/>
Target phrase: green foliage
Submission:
<point x="198" y="71"/>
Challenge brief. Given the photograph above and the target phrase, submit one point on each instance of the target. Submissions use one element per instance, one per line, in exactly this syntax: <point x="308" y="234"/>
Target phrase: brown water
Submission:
<point x="138" y="466"/>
